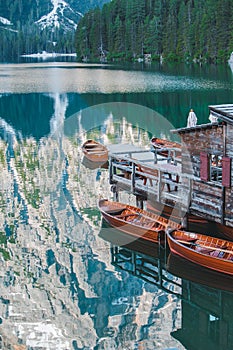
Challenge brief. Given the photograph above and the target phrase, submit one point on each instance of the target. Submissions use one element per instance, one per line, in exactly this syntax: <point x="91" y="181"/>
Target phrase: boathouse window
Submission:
<point x="211" y="167"/>
<point x="216" y="168"/>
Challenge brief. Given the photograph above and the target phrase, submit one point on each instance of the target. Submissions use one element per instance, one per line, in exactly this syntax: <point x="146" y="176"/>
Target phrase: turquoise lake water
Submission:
<point x="66" y="281"/>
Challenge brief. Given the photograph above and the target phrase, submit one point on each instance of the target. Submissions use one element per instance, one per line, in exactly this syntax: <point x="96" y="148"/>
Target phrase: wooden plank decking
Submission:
<point x="142" y="173"/>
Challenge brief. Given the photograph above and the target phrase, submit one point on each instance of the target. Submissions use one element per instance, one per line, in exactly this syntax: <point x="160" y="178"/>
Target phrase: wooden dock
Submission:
<point x="147" y="175"/>
<point x="198" y="182"/>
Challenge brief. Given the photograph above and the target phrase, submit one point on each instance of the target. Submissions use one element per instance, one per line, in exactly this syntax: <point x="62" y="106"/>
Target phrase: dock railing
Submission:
<point x="173" y="155"/>
<point x="162" y="179"/>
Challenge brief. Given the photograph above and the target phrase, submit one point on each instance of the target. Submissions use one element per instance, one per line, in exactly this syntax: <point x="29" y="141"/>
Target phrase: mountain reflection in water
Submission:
<point x="61" y="283"/>
<point x="59" y="288"/>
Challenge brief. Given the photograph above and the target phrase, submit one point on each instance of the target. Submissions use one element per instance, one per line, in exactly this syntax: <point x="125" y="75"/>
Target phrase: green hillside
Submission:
<point x="175" y="30"/>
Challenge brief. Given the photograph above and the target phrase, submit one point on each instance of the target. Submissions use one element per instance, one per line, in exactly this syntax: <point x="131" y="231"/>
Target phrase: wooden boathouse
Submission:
<point x="207" y="152"/>
<point x="196" y="182"/>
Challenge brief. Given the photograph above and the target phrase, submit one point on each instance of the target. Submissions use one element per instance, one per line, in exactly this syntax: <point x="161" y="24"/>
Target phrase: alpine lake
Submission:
<point x="66" y="280"/>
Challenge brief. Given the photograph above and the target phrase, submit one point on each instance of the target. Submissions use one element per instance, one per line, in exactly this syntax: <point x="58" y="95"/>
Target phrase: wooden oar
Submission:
<point x="207" y="247"/>
<point x="138" y="215"/>
<point x="150" y="219"/>
<point x="96" y="152"/>
<point x="158" y="219"/>
<point x="126" y="215"/>
<point x="116" y="211"/>
<point x="154" y="221"/>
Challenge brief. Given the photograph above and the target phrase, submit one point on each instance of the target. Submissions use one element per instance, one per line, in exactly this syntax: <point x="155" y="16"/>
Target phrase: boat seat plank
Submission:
<point x="185" y="240"/>
<point x="115" y="211"/>
<point x="126" y="215"/>
<point x="218" y="254"/>
<point x="96" y="152"/>
<point x="204" y="248"/>
<point x="94" y="147"/>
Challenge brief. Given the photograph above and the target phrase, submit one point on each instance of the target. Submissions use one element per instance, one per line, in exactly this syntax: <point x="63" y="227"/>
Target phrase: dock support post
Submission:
<point x="184" y="222"/>
<point x="159" y="186"/>
<point x="155" y="156"/>
<point x="115" y="193"/>
<point x="110" y="170"/>
<point x="139" y="202"/>
<point x="116" y="196"/>
<point x="133" y="178"/>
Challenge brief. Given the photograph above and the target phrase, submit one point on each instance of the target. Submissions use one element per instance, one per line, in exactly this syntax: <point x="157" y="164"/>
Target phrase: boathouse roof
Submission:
<point x="196" y="128"/>
<point x="223" y="112"/>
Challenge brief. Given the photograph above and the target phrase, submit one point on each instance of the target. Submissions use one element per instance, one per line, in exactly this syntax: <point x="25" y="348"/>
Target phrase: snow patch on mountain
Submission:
<point x="61" y="16"/>
<point x="5" y="21"/>
<point x="5" y="25"/>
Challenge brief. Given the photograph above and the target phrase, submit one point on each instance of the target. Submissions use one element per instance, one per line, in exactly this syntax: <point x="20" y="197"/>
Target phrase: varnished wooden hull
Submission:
<point x="210" y="252"/>
<point x="162" y="145"/>
<point x="134" y="221"/>
<point x="95" y="151"/>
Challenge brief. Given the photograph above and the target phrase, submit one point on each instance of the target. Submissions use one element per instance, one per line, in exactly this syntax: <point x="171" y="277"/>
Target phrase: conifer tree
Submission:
<point x="176" y="29"/>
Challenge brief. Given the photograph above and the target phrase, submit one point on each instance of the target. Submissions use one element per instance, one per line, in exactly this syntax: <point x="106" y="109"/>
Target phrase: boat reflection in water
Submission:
<point x="93" y="165"/>
<point x="206" y="296"/>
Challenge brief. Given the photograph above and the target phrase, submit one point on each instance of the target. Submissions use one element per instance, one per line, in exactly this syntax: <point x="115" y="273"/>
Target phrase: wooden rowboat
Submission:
<point x="95" y="151"/>
<point x="210" y="252"/>
<point x="189" y="271"/>
<point x="163" y="146"/>
<point x="134" y="221"/>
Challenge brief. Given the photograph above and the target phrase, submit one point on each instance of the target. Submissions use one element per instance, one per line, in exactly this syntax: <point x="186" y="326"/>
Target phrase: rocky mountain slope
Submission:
<point x="44" y="13"/>
<point x="29" y="26"/>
